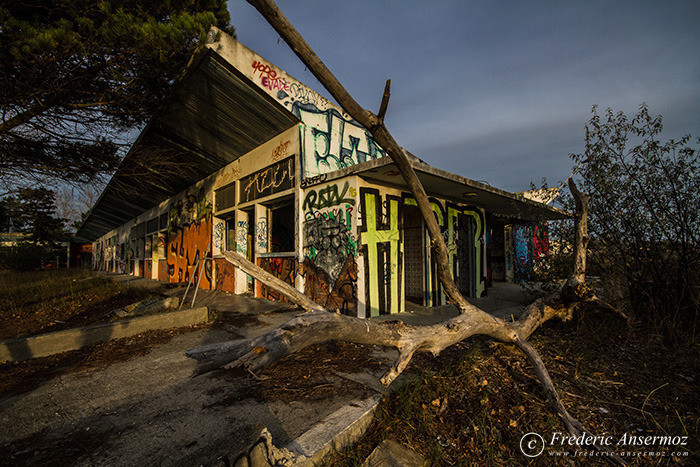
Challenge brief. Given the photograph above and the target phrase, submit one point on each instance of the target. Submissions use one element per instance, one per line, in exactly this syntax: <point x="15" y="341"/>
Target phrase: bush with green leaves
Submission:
<point x="644" y="217"/>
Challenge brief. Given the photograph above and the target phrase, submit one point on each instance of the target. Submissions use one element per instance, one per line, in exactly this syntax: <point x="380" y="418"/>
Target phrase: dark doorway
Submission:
<point x="497" y="250"/>
<point x="466" y="253"/>
<point x="413" y="253"/>
<point x="282" y="227"/>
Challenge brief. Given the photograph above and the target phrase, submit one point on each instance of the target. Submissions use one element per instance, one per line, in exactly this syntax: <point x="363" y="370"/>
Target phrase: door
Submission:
<point x="413" y="253"/>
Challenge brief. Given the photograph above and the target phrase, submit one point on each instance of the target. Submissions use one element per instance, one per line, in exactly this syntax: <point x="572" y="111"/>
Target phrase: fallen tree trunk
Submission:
<point x="319" y="325"/>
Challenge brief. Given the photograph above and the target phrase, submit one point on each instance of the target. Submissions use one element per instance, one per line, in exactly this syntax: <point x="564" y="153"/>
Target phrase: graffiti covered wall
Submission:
<point x="225" y="275"/>
<point x="382" y="249"/>
<point x="478" y="243"/>
<point x="189" y="235"/>
<point x="284" y="268"/>
<point x="530" y="244"/>
<point x="330" y="138"/>
<point x="463" y="230"/>
<point x="330" y="245"/>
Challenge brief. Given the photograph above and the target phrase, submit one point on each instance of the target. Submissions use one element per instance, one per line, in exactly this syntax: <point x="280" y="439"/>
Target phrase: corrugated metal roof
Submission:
<point x="215" y="116"/>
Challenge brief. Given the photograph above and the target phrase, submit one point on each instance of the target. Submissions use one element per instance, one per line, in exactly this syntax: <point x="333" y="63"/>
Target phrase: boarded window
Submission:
<point x="152" y="225"/>
<point x="274" y="179"/>
<point x="226" y="197"/>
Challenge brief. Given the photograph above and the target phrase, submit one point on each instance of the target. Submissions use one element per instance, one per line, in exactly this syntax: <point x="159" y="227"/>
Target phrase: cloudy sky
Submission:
<point x="498" y="91"/>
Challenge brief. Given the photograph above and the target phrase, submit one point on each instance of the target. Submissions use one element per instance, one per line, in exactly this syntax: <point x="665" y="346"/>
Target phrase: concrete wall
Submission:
<point x="330" y="138"/>
<point x="192" y="226"/>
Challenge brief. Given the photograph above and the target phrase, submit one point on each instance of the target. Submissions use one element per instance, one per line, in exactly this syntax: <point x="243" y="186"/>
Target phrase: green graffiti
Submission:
<point x="437" y="209"/>
<point x="371" y="237"/>
<point x="478" y="234"/>
<point x="434" y="298"/>
<point x="451" y="240"/>
<point x="328" y="197"/>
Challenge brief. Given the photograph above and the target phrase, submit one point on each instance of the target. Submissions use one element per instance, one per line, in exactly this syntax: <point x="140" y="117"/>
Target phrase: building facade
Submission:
<point x="246" y="158"/>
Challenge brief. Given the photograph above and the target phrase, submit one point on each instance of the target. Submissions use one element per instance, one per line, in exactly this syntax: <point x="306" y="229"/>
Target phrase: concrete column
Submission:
<point x="509" y="255"/>
<point x="262" y="229"/>
<point x="242" y="219"/>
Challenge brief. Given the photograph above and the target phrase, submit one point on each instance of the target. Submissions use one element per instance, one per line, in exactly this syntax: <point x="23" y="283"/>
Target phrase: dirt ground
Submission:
<point x="473" y="404"/>
<point x="45" y="301"/>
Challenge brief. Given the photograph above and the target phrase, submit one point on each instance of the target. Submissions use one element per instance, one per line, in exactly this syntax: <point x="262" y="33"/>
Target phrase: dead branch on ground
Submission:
<point x="319" y="325"/>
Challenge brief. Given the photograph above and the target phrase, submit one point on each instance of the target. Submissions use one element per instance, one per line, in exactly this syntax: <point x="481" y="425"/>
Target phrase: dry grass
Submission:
<point x="44" y="301"/>
<point x="473" y="404"/>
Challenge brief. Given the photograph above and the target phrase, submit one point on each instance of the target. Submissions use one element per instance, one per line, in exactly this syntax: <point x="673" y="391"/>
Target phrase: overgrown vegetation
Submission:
<point x="644" y="218"/>
<point x="644" y="222"/>
<point x="43" y="301"/>
<point x="473" y="403"/>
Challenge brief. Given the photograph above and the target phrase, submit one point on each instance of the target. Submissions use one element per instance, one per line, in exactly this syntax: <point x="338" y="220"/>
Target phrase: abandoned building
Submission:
<point x="244" y="157"/>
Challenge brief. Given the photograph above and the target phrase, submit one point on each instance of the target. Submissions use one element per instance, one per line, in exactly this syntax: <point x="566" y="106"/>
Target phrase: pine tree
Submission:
<point x="76" y="74"/>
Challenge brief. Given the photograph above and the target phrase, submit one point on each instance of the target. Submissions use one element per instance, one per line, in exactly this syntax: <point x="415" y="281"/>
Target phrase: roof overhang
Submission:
<point x="443" y="184"/>
<point x="214" y="116"/>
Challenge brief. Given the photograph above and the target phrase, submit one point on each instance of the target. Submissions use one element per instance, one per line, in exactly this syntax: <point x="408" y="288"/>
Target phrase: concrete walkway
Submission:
<point x="214" y="300"/>
<point x="504" y="301"/>
<point x="150" y="410"/>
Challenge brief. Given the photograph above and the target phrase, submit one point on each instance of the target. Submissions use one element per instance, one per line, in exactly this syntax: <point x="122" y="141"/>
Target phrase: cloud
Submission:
<point x="499" y="91"/>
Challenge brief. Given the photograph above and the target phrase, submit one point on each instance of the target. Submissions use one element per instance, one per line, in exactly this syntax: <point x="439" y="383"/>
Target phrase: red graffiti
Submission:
<point x="282" y="268"/>
<point x="540" y="242"/>
<point x="269" y="78"/>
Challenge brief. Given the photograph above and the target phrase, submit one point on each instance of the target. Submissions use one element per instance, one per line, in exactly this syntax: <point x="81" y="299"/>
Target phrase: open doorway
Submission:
<point x="282" y="226"/>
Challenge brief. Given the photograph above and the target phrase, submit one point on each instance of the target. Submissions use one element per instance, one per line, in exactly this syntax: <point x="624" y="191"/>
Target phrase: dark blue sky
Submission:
<point x="498" y="91"/>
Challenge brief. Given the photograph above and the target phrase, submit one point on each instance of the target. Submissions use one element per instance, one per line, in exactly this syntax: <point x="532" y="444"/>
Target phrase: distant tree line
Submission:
<point x="30" y="215"/>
